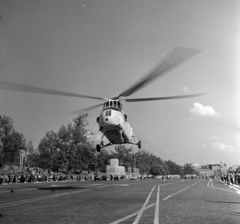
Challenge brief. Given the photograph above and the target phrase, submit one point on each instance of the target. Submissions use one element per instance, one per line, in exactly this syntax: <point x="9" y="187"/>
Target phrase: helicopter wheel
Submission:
<point x="139" y="144"/>
<point x="98" y="147"/>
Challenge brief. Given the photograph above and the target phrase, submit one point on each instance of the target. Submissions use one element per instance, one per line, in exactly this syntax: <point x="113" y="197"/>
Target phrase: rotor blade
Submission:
<point x="84" y="110"/>
<point x="177" y="56"/>
<point x="31" y="89"/>
<point x="164" y="98"/>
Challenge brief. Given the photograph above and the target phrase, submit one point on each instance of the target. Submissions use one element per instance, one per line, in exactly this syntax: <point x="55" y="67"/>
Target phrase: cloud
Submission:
<point x="200" y="110"/>
<point x="221" y="146"/>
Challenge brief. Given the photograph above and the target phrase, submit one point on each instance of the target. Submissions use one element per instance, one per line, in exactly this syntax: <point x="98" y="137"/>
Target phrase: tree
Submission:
<point x="103" y="160"/>
<point x="47" y="149"/>
<point x="188" y="169"/>
<point x="68" y="149"/>
<point x="11" y="142"/>
<point x="174" y="168"/>
<point x="124" y="155"/>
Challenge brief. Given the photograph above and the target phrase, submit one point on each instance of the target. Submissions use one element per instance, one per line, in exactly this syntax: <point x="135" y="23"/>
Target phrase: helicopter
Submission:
<point x="113" y="122"/>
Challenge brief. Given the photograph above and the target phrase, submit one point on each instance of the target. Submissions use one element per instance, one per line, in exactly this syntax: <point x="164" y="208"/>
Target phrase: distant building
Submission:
<point x="213" y="169"/>
<point x="196" y="166"/>
<point x="205" y="171"/>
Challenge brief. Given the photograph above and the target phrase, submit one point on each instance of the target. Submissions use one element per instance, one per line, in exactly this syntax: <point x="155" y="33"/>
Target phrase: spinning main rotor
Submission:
<point x="175" y="58"/>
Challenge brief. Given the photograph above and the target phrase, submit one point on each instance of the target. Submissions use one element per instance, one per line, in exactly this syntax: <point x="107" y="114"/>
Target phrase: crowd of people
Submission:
<point x="231" y="179"/>
<point x="15" y="174"/>
<point x="36" y="174"/>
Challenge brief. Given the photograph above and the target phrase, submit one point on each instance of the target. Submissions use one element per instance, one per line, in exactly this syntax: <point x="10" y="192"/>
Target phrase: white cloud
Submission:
<point x="222" y="146"/>
<point x="199" y="109"/>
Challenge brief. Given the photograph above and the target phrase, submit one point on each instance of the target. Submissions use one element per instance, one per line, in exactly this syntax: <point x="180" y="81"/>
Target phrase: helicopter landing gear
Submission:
<point x="139" y="144"/>
<point x="98" y="147"/>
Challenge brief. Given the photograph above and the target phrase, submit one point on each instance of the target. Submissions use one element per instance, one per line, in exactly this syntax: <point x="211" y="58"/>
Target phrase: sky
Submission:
<point x="101" y="48"/>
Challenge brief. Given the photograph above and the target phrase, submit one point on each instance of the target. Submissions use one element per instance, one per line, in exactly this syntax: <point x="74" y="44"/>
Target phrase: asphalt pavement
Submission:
<point x="125" y="201"/>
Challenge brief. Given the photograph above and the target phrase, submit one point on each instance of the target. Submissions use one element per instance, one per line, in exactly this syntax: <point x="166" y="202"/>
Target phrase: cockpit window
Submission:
<point x="115" y="104"/>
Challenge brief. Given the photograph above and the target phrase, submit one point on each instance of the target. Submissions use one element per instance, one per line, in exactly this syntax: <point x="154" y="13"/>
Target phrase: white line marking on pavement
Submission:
<point x="237" y="190"/>
<point x="222" y="189"/>
<point x="14" y="203"/>
<point x="130" y="216"/>
<point x="143" y="208"/>
<point x="156" y="217"/>
<point x="169" y="196"/>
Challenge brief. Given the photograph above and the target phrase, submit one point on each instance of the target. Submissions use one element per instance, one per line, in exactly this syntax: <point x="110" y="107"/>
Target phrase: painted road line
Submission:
<point x="169" y="196"/>
<point x="143" y="208"/>
<point x="222" y="189"/>
<point x="130" y="216"/>
<point x="237" y="190"/>
<point x="15" y="203"/>
<point x="156" y="217"/>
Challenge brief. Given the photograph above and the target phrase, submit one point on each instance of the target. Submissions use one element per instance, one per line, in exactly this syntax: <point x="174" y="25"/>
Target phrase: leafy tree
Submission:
<point x="124" y="155"/>
<point x="68" y="149"/>
<point x="11" y="142"/>
<point x="6" y="124"/>
<point x="188" y="169"/>
<point x="103" y="160"/>
<point x="174" y="168"/>
<point x="158" y="167"/>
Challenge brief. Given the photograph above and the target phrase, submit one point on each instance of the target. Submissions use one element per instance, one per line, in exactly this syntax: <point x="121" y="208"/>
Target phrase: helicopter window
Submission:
<point x="119" y="106"/>
<point x="115" y="103"/>
<point x="110" y="103"/>
<point x="107" y="104"/>
<point x="108" y="113"/>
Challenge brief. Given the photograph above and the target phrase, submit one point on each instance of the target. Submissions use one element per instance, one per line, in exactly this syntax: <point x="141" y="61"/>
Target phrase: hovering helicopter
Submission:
<point x="113" y="122"/>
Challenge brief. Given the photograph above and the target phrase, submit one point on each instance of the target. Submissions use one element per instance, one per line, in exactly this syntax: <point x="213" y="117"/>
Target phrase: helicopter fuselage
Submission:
<point x="113" y="123"/>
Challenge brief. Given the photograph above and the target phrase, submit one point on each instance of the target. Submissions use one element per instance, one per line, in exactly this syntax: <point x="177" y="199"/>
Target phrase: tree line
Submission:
<point x="69" y="150"/>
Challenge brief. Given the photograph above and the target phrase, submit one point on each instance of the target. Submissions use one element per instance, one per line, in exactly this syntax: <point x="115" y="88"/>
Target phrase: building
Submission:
<point x="205" y="171"/>
<point x="213" y="169"/>
<point x="196" y="166"/>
